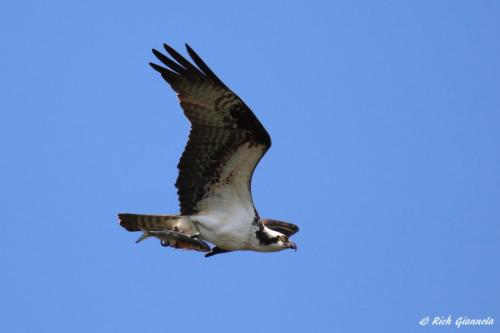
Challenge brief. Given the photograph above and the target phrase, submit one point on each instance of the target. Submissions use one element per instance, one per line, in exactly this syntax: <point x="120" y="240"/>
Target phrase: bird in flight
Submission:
<point x="215" y="171"/>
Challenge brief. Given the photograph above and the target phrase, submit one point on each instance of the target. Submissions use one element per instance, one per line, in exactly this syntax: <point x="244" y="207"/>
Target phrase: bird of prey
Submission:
<point x="215" y="171"/>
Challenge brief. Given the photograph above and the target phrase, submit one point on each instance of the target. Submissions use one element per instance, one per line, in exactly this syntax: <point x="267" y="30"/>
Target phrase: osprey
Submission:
<point x="215" y="171"/>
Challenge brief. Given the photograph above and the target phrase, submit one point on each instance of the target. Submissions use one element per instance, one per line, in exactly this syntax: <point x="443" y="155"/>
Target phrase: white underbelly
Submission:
<point x="228" y="235"/>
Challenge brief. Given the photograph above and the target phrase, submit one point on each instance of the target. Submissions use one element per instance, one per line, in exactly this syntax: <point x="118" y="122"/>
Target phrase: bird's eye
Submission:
<point x="284" y="239"/>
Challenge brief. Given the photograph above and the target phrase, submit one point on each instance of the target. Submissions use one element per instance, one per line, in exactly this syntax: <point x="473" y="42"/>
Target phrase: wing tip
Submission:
<point x="168" y="47"/>
<point x="156" y="67"/>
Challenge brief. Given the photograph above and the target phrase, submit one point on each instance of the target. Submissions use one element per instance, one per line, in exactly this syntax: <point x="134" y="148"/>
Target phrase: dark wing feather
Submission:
<point x="201" y="64"/>
<point x="224" y="131"/>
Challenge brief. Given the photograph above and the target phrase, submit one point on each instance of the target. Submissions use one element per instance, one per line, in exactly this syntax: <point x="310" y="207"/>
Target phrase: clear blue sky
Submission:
<point x="385" y="119"/>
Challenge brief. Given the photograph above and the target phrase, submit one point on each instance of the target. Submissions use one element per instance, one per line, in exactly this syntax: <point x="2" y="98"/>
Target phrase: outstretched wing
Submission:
<point x="225" y="143"/>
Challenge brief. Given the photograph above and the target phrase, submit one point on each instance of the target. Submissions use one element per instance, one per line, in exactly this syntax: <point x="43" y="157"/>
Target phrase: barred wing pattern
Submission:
<point x="225" y="143"/>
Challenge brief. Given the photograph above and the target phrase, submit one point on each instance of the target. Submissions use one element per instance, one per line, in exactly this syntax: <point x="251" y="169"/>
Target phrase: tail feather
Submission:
<point x="138" y="222"/>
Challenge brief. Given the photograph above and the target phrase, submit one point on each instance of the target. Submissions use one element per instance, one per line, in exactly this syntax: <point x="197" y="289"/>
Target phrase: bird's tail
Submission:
<point x="172" y="230"/>
<point x="138" y="222"/>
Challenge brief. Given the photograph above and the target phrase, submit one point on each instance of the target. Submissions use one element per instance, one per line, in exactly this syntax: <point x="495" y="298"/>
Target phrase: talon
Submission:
<point x="164" y="243"/>
<point x="195" y="236"/>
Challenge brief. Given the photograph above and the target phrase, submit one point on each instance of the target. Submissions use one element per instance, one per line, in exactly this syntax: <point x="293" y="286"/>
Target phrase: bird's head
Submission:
<point x="271" y="240"/>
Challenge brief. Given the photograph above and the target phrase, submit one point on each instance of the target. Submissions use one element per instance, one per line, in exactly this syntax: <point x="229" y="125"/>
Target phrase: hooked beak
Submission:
<point x="292" y="245"/>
